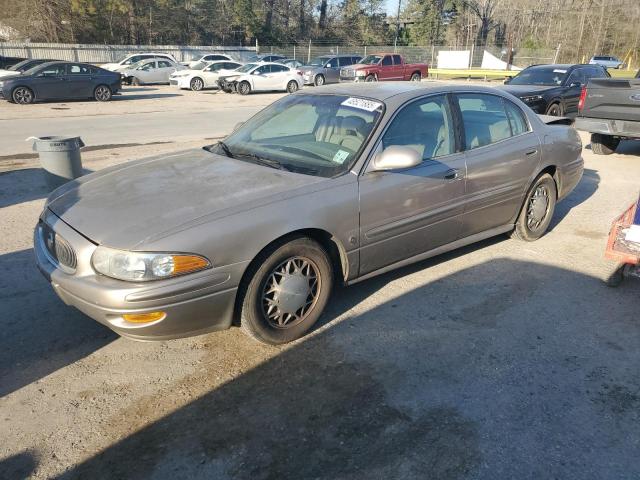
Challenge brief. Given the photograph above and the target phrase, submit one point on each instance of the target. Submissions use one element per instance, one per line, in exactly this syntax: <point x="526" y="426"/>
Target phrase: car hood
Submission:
<point x="359" y="66"/>
<point x="125" y="205"/>
<point x="9" y="75"/>
<point x="110" y="66"/>
<point x="524" y="90"/>
<point x="309" y="68"/>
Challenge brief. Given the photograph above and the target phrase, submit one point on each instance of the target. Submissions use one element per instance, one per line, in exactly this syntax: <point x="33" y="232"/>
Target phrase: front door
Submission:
<point x="502" y="155"/>
<point x="386" y="68"/>
<point x="51" y="82"/>
<point x="408" y="212"/>
<point x="164" y="71"/>
<point x="332" y="70"/>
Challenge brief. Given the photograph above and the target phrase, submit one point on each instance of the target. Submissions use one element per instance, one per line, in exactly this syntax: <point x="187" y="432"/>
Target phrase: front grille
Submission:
<point x="347" y="72"/>
<point x="58" y="248"/>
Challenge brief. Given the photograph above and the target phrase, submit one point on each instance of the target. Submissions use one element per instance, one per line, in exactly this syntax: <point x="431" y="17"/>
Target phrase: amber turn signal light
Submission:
<point x="143" y="317"/>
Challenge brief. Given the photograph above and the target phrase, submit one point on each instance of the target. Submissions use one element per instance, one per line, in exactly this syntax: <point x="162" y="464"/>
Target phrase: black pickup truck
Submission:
<point x="610" y="110"/>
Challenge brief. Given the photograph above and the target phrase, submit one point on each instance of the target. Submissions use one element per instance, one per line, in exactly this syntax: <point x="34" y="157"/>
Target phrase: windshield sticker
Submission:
<point x="558" y="70"/>
<point x="362" y="104"/>
<point x="340" y="156"/>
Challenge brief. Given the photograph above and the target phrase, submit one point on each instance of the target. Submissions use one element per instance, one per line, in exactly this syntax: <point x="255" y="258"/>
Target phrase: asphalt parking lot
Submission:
<point x="500" y="360"/>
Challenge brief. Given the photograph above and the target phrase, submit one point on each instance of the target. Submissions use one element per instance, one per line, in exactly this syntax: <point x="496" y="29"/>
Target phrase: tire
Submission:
<point x="135" y="82"/>
<point x="416" y="77"/>
<point x="537" y="211"/>
<point x="603" y="144"/>
<point x="555" y="110"/>
<point x="196" y="84"/>
<point x="244" y="88"/>
<point x="319" y="80"/>
<point x="22" y="96"/>
<point x="292" y="86"/>
<point x="370" y="78"/>
<point x="261" y="317"/>
<point x="102" y="93"/>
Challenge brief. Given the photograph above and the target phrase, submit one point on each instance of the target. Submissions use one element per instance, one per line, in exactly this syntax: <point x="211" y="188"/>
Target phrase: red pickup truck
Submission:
<point x="384" y="66"/>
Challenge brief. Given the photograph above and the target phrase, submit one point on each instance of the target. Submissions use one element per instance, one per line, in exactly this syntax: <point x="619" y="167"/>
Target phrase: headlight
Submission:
<point x="531" y="99"/>
<point x="360" y="73"/>
<point x="1" y="84"/>
<point x="142" y="267"/>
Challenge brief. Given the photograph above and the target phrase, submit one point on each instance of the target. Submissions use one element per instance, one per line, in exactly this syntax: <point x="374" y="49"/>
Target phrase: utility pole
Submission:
<point x="395" y="42"/>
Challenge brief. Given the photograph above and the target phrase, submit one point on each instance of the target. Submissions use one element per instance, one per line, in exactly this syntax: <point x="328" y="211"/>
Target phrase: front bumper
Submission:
<point x="194" y="304"/>
<point x="538" y="106"/>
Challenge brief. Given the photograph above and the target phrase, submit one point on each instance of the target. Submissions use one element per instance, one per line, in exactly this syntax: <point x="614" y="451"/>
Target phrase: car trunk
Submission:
<point x="612" y="99"/>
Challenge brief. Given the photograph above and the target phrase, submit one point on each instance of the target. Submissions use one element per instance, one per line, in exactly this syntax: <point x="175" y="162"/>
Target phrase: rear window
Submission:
<point x="397" y="60"/>
<point x="484" y="118"/>
<point x="386" y="61"/>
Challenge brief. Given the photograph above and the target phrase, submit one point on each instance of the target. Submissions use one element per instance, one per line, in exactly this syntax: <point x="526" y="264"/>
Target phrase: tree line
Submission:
<point x="579" y="27"/>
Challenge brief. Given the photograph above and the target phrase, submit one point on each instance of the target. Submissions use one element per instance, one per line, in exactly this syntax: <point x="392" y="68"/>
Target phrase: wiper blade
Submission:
<point x="267" y="162"/>
<point x="225" y="149"/>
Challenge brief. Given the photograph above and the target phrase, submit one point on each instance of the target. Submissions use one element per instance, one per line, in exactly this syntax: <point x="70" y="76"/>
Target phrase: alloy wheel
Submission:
<point x="292" y="87"/>
<point x="23" y="96"/>
<point x="538" y="208"/>
<point x="290" y="292"/>
<point x="196" y="84"/>
<point x="103" y="93"/>
<point x="319" y="80"/>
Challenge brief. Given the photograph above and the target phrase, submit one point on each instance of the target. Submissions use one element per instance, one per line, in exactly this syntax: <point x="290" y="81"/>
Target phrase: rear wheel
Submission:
<point x="555" y="110"/>
<point x="603" y="144"/>
<point x="285" y="291"/>
<point x="102" y="93"/>
<point x="244" y="88"/>
<point x="537" y="211"/>
<point x="416" y="77"/>
<point x="292" y="86"/>
<point x="370" y="78"/>
<point x="23" y="96"/>
<point x="197" y="84"/>
<point x="319" y="80"/>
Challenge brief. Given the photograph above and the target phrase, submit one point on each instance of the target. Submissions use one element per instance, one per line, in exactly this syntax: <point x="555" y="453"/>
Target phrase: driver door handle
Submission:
<point x="531" y="152"/>
<point x="452" y="174"/>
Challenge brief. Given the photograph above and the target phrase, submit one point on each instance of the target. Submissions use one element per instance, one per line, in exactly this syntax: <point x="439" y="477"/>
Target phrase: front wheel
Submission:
<point x="244" y="88"/>
<point x="102" y="93"/>
<point x="370" y="78"/>
<point x="135" y="81"/>
<point x="197" y="84"/>
<point x="22" y="96"/>
<point x="554" y="110"/>
<point x="319" y="80"/>
<point x="292" y="86"/>
<point x="603" y="144"/>
<point x="285" y="291"/>
<point x="537" y="211"/>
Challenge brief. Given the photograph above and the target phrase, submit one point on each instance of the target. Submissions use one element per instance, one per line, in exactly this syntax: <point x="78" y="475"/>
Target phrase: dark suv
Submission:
<point x="553" y="89"/>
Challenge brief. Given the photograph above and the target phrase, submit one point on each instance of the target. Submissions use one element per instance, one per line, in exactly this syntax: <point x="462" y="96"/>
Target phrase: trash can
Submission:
<point x="60" y="158"/>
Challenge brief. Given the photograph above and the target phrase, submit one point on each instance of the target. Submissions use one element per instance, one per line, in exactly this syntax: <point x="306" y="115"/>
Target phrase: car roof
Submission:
<point x="385" y="91"/>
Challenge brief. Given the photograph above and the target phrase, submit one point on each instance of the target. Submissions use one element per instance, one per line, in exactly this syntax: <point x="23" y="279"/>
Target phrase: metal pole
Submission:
<point x="309" y="52"/>
<point x="395" y="41"/>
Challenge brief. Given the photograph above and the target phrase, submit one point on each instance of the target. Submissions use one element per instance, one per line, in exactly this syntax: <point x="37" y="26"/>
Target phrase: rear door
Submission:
<point x="80" y="81"/>
<point x="407" y="212"/>
<point x="502" y="153"/>
<point x="164" y="71"/>
<point x="147" y="72"/>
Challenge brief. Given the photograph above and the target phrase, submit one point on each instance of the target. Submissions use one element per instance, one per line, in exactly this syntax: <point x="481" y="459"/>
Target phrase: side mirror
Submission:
<point x="575" y="84"/>
<point x="507" y="81"/>
<point x="396" y="158"/>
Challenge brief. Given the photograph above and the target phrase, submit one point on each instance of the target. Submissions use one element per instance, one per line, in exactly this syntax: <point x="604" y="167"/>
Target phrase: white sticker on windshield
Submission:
<point x="362" y="104"/>
<point x="340" y="156"/>
<point x="558" y="70"/>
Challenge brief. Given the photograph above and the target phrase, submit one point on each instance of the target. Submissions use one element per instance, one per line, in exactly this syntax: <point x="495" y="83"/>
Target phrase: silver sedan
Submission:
<point x="333" y="186"/>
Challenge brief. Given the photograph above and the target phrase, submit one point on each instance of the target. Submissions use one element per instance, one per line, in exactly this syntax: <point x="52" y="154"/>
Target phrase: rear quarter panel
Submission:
<point x="561" y="149"/>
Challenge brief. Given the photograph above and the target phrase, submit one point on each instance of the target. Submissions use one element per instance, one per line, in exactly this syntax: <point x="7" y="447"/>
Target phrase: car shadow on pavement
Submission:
<point x="18" y="466"/>
<point x="40" y="334"/>
<point x="124" y="97"/>
<point x="24" y="185"/>
<point x="488" y="372"/>
<point x="584" y="190"/>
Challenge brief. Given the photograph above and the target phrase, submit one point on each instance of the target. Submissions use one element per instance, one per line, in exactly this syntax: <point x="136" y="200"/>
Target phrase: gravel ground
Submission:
<point x="500" y="360"/>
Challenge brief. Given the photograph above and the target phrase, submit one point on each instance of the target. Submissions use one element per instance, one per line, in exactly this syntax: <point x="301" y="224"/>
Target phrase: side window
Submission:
<point x="517" y="120"/>
<point x="78" y="70"/>
<point x="424" y="125"/>
<point x="148" y="66"/>
<point x="397" y="60"/>
<point x="484" y="118"/>
<point x="263" y="69"/>
<point x="577" y="76"/>
<point x="595" y="72"/>
<point x="279" y="69"/>
<point x="333" y="63"/>
<point x="387" y="61"/>
<point x="53" y="71"/>
<point x="218" y="57"/>
<point x="163" y="64"/>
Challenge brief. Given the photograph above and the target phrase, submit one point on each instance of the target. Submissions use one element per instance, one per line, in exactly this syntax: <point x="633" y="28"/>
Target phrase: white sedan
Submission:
<point x="262" y="77"/>
<point x="203" y="75"/>
<point x="208" y="58"/>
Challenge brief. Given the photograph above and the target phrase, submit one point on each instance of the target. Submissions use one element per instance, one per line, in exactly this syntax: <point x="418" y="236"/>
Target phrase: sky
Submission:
<point x="391" y="6"/>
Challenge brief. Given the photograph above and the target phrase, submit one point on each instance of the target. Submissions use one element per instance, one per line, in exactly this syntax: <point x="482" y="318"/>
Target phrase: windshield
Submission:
<point x="318" y="61"/>
<point x="18" y="67"/>
<point x="371" y="60"/>
<point x="319" y="135"/>
<point x="540" y="76"/>
<point x="246" y="68"/>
